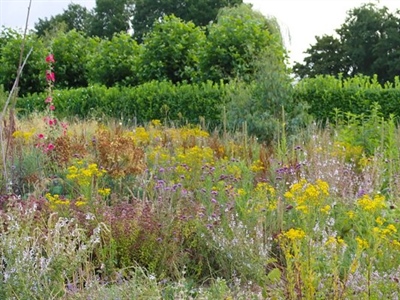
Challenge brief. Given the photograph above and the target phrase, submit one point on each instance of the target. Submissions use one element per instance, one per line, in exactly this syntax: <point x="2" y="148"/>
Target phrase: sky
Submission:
<point x="300" y="20"/>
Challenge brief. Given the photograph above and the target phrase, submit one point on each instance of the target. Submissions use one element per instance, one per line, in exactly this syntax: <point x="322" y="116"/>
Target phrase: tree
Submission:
<point x="326" y="57"/>
<point x="33" y="75"/>
<point x="71" y="51"/>
<point x="235" y="41"/>
<point x="171" y="51"/>
<point x="74" y="17"/>
<point x="114" y="61"/>
<point x="111" y="16"/>
<point x="368" y="44"/>
<point x="200" y="12"/>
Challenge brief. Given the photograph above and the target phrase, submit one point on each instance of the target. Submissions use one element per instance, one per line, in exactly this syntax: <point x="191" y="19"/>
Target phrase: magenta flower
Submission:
<point x="52" y="107"/>
<point x="50" y="76"/>
<point x="52" y="122"/>
<point x="48" y="100"/>
<point x="41" y="136"/>
<point x="50" y="147"/>
<point x="50" y="58"/>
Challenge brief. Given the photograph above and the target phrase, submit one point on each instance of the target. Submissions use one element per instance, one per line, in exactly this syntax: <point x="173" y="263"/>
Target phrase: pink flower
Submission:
<point x="48" y="100"/>
<point x="50" y="58"/>
<point x="52" y="107"/>
<point x="41" y="136"/>
<point x="50" y="76"/>
<point x="50" y="147"/>
<point x="52" y="122"/>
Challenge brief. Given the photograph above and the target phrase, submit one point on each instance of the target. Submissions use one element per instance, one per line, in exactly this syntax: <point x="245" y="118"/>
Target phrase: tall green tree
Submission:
<point x="71" y="50"/>
<point x="235" y="41"/>
<point x="33" y="75"/>
<point x="111" y="16"/>
<point x="171" y="51"/>
<point x="368" y="43"/>
<point x="115" y="61"/>
<point x="74" y="17"/>
<point x="200" y="12"/>
<point x="325" y="57"/>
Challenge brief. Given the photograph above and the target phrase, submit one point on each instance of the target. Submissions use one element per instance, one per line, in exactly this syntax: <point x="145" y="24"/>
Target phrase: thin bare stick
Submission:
<point x="3" y="150"/>
<point x="14" y="85"/>
<point x="13" y="95"/>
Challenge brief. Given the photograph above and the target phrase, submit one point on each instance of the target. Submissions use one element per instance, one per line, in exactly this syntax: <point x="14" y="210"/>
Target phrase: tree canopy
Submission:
<point x="74" y="17"/>
<point x="200" y="12"/>
<point x="368" y="43"/>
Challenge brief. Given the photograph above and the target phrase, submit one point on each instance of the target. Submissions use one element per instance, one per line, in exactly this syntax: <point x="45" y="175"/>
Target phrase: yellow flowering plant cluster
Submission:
<point x="307" y="197"/>
<point x="24" y="136"/>
<point x="85" y="178"/>
<point x="84" y="174"/>
<point x="372" y="205"/>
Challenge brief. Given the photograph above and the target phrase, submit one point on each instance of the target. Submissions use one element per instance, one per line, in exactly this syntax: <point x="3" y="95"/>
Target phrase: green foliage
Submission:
<point x="33" y="76"/>
<point x="236" y="41"/>
<point x="110" y="17"/>
<point x="171" y="51"/>
<point x="368" y="44"/>
<point x="74" y="17"/>
<point x="202" y="12"/>
<point x="71" y="51"/>
<point x="114" y="62"/>
<point x="152" y="100"/>
<point x="325" y="94"/>
<point x="266" y="107"/>
<point x="326" y="57"/>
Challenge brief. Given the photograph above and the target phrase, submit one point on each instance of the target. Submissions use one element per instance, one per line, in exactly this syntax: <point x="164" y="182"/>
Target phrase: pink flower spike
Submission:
<point x="41" y="136"/>
<point x="50" y="58"/>
<point x="50" y="76"/>
<point x="52" y="107"/>
<point x="48" y="100"/>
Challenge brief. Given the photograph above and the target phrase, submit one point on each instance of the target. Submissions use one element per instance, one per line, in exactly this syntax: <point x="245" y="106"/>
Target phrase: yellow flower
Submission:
<point x="351" y="214"/>
<point x="156" y="123"/>
<point x="325" y="209"/>
<point x="380" y="220"/>
<point x="302" y="208"/>
<point x="241" y="192"/>
<point x="294" y="234"/>
<point x="335" y="241"/>
<point x="104" y="192"/>
<point x="371" y="205"/>
<point x="257" y="166"/>
<point x="396" y="244"/>
<point x="361" y="243"/>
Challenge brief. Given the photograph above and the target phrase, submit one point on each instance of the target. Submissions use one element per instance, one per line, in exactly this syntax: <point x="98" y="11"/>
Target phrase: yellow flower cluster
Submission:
<point x="294" y="234"/>
<point x="140" y="136"/>
<point x="306" y="195"/>
<point x="104" y="192"/>
<point x="84" y="175"/>
<point x="55" y="200"/>
<point x="335" y="241"/>
<point x="361" y="243"/>
<point x="23" y="135"/>
<point x="195" y="157"/>
<point x="384" y="232"/>
<point x="371" y="205"/>
<point x="257" y="166"/>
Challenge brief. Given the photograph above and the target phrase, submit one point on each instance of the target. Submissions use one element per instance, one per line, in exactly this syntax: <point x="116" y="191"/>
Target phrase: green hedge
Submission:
<point x="152" y="100"/>
<point x="325" y="94"/>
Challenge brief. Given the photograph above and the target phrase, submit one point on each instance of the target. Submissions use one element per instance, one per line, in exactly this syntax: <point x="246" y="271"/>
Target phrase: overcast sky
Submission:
<point x="300" y="20"/>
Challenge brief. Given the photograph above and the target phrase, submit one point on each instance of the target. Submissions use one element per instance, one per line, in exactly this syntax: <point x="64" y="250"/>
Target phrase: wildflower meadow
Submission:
<point x="225" y="181"/>
<point x="98" y="209"/>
